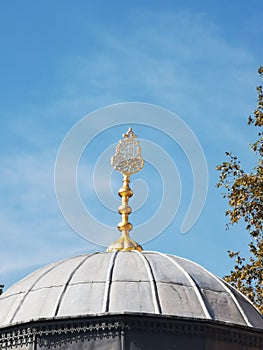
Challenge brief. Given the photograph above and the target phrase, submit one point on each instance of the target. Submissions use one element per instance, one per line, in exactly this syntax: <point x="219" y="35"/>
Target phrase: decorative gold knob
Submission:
<point x="127" y="160"/>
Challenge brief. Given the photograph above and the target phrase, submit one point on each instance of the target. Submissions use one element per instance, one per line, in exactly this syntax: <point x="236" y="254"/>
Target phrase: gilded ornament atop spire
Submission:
<point x="127" y="160"/>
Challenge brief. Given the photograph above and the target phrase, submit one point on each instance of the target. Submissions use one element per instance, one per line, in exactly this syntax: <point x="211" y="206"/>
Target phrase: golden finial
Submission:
<point x="127" y="160"/>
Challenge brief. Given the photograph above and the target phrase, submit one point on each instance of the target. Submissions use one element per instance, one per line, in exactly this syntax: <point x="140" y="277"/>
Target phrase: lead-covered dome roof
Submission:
<point x="125" y="282"/>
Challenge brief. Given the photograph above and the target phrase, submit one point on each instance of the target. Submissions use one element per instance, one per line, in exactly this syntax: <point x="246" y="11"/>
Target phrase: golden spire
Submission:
<point x="127" y="160"/>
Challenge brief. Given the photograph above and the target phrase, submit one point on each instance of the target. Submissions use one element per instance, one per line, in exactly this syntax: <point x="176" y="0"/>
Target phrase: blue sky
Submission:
<point x="61" y="60"/>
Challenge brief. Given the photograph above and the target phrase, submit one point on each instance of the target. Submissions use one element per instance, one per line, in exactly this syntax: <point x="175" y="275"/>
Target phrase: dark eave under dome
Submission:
<point x="125" y="282"/>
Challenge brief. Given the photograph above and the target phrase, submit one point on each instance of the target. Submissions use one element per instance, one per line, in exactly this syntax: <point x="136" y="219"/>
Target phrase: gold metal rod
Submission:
<point x="127" y="160"/>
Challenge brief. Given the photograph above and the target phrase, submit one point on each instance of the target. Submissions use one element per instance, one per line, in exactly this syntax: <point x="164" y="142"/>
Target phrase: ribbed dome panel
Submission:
<point x="118" y="282"/>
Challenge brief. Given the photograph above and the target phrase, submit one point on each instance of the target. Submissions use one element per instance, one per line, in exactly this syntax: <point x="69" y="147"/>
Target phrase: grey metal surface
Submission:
<point x="147" y="282"/>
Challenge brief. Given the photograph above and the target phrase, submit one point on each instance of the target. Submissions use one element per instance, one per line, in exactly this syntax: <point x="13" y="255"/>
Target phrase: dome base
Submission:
<point x="130" y="332"/>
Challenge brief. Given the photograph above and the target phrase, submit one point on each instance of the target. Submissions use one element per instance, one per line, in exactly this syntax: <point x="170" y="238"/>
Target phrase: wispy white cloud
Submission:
<point x="177" y="59"/>
<point x="33" y="231"/>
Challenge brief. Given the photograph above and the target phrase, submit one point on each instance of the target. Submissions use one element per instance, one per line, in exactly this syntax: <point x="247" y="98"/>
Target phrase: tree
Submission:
<point x="244" y="192"/>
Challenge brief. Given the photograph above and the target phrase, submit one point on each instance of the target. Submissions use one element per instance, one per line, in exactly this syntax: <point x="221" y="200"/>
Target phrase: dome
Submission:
<point x="125" y="282"/>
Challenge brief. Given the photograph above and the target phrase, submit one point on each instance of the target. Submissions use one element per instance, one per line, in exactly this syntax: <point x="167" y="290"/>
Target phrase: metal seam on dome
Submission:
<point x="242" y="312"/>
<point x="68" y="281"/>
<point x="108" y="282"/>
<point x="193" y="284"/>
<point x="156" y="300"/>
<point x="30" y="289"/>
<point x="228" y="290"/>
<point x="243" y="296"/>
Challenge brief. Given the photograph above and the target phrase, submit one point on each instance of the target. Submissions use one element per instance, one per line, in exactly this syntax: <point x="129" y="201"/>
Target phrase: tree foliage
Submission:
<point x="244" y="192"/>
